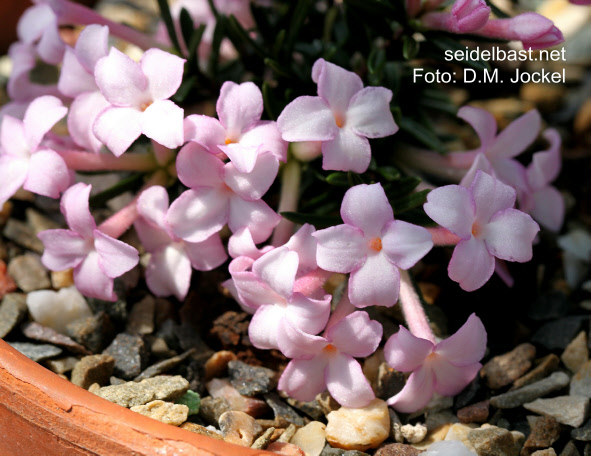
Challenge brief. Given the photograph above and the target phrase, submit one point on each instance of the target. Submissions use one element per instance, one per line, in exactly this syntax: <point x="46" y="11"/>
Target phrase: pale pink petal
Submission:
<point x="253" y="185"/>
<point x="277" y="269"/>
<point x="515" y="138"/>
<point x="169" y="272"/>
<point x="417" y="392"/>
<point x="295" y="343"/>
<point x="205" y="130"/>
<point x="375" y="283"/>
<point x="405" y="352"/>
<point x="120" y="79"/>
<point x="452" y="207"/>
<point x="164" y="72"/>
<point x="253" y="292"/>
<point x="162" y="121"/>
<point x="548" y="208"/>
<point x="482" y="122"/>
<point x="196" y="167"/>
<point x="510" y="234"/>
<point x="206" y="255"/>
<point x="309" y="315"/>
<point x="74" y="206"/>
<point x="197" y="214"/>
<point x="13" y="172"/>
<point x="304" y="244"/>
<point x="75" y="78"/>
<point x="340" y="248"/>
<point x="263" y="328"/>
<point x="241" y="244"/>
<point x="153" y="238"/>
<point x="307" y="119"/>
<point x="51" y="47"/>
<point x="480" y="163"/>
<point x="356" y="335"/>
<point x="42" y="114"/>
<point x="304" y="379"/>
<point x="83" y="112"/>
<point x="152" y="205"/>
<point x="34" y="22"/>
<point x="256" y="215"/>
<point x="545" y="165"/>
<point x="266" y="135"/>
<point x="239" y="107"/>
<point x="347" y="383"/>
<point x="13" y="138"/>
<point x="115" y="257"/>
<point x="366" y="207"/>
<point x="335" y="84"/>
<point x="91" y="280"/>
<point x="48" y="174"/>
<point x="450" y="379"/>
<point x="510" y="172"/>
<point x="346" y="152"/>
<point x="92" y="45"/>
<point x="64" y="249"/>
<point x="242" y="157"/>
<point x="471" y="264"/>
<point x="490" y="196"/>
<point x="369" y="113"/>
<point x="118" y="128"/>
<point x="467" y="345"/>
<point x="404" y="244"/>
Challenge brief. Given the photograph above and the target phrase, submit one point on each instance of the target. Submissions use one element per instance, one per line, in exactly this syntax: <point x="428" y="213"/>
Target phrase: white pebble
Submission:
<point x="448" y="448"/>
<point x="57" y="309"/>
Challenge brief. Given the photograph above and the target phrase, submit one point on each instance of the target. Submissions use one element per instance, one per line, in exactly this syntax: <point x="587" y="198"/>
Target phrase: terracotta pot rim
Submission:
<point x="51" y="406"/>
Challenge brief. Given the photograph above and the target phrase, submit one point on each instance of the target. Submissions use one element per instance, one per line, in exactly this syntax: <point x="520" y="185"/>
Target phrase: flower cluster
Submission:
<point x="203" y="173"/>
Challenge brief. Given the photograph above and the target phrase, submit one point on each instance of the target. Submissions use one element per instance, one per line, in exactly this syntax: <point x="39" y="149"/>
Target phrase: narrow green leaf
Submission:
<point x="130" y="183"/>
<point x="299" y="15"/>
<point x="420" y="133"/>
<point x="218" y="35"/>
<point x="389" y="173"/>
<point x="410" y="201"/>
<point x="416" y="216"/>
<point x="279" y="40"/>
<point x="319" y="221"/>
<point x="238" y="35"/>
<point x="185" y="88"/>
<point x="194" y="43"/>
<point x="376" y="60"/>
<point x="187" y="26"/>
<point x="410" y="47"/>
<point x="167" y="18"/>
<point x="339" y="179"/>
<point x="401" y="187"/>
<point x="277" y="67"/>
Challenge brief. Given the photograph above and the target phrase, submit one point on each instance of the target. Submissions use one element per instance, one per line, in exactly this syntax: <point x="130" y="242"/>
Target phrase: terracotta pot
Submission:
<point x="41" y="413"/>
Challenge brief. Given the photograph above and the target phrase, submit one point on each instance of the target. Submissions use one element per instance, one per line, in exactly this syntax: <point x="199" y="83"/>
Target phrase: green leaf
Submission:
<point x="218" y="35"/>
<point x="167" y="18"/>
<point x="377" y="7"/>
<point x="277" y="67"/>
<point x="298" y="17"/>
<point x="339" y="179"/>
<point x="410" y="201"/>
<point x="389" y="173"/>
<point x="416" y="216"/>
<point x="376" y="60"/>
<point x="319" y="221"/>
<point x="279" y="40"/>
<point x="410" y="47"/>
<point x="192" y="400"/>
<point x="422" y="134"/>
<point x="238" y="35"/>
<point x="401" y="187"/>
<point x="194" y="43"/>
<point x="185" y="88"/>
<point x="130" y="183"/>
<point x="187" y="26"/>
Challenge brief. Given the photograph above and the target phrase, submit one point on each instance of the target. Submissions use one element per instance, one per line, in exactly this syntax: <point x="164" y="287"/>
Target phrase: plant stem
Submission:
<point x="89" y="161"/>
<point x="412" y="308"/>
<point x="288" y="200"/>
<point x="442" y="236"/>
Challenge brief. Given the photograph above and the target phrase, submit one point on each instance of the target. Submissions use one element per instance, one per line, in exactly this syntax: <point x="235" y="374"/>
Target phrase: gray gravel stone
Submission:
<point x="570" y="449"/>
<point x="580" y="384"/>
<point x="28" y="273"/>
<point x="493" y="441"/>
<point x="131" y="394"/>
<point x="569" y="410"/>
<point x="22" y="234"/>
<point x="92" y="369"/>
<point x="12" y="311"/>
<point x="515" y="398"/>
<point x="330" y="451"/>
<point x="251" y="380"/>
<point x="163" y="366"/>
<point x="41" y="333"/>
<point x="37" y="352"/>
<point x="508" y="367"/>
<point x="130" y="355"/>
<point x="583" y="433"/>
<point x="282" y="410"/>
<point x="212" y="408"/>
<point x="141" y="316"/>
<point x="93" y="332"/>
<point x="558" y="334"/>
<point x="312" y="409"/>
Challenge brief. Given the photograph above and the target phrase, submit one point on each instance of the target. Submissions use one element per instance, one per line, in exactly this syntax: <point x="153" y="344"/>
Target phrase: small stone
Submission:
<point x="129" y="353"/>
<point x="576" y="353"/>
<point x="359" y="428"/>
<point x="580" y="384"/>
<point x="12" y="310"/>
<point x="397" y="449"/>
<point x="192" y="400"/>
<point x="28" y="273"/>
<point x="36" y="352"/>
<point x="217" y="365"/>
<point x="330" y="451"/>
<point x="569" y="410"/>
<point x="583" y="433"/>
<point x="222" y="388"/>
<point x="212" y="408"/>
<point x="557" y="334"/>
<point x="164" y="411"/>
<point x="94" y="388"/>
<point x="239" y="428"/>
<point x="493" y="441"/>
<point x="546" y="452"/>
<point x="283" y="412"/>
<point x="166" y="387"/>
<point x="94" y="332"/>
<point x="459" y="432"/>
<point x="515" y="398"/>
<point x="475" y="413"/>
<point x="159" y="348"/>
<point x="544" y="433"/>
<point x="286" y="449"/>
<point x="448" y="448"/>
<point x="389" y="382"/>
<point x="311" y="438"/>
<point x="288" y="434"/>
<point x="504" y="369"/>
<point x="549" y="306"/>
<point x="130" y="394"/>
<point x="414" y="434"/>
<point x="141" y="317"/>
<point x="93" y="369"/>
<point x="163" y="366"/>
<point x="312" y="408"/>
<point x="395" y="427"/>
<point x="327" y="403"/>
<point x="433" y="420"/>
<point x="61" y="365"/>
<point x="251" y="380"/>
<point x="434" y="435"/>
<point x="570" y="449"/>
<point x="198" y="429"/>
<point x="263" y="441"/>
<point x="62" y="279"/>
<point x="474" y="392"/>
<point x="546" y="366"/>
<point x="41" y="333"/>
<point x="22" y="234"/>
<point x="7" y="283"/>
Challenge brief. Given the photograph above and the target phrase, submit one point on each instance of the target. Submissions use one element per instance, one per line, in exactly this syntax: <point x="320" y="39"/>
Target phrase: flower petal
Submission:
<point x="241" y="244"/>
<point x="346" y="152"/>
<point x="545" y="165"/>
<point x="41" y="115"/>
<point x="115" y="257"/>
<point x="483" y="122"/>
<point x="347" y="383"/>
<point x="198" y="168"/>
<point x="152" y="205"/>
<point x="405" y="352"/>
<point x="263" y="328"/>
<point x="490" y="196"/>
<point x="304" y="379"/>
<point x="450" y="379"/>
<point x="252" y="185"/>
<point x="375" y="283"/>
<point x="162" y="121"/>
<point x="266" y="135"/>
<point x="118" y="128"/>
<point x="277" y="269"/>
<point x="309" y="315"/>
<point x="83" y="113"/>
<point x="515" y="138"/>
<point x="239" y="107"/>
<point x="335" y="84"/>
<point x="340" y="248"/>
<point x="13" y="173"/>
<point x="307" y="119"/>
<point x="48" y="174"/>
<point x="91" y="280"/>
<point x="466" y="346"/>
<point x="304" y="244"/>
<point x="205" y="130"/>
<point x="163" y="71"/>
<point x="242" y="157"/>
<point x="548" y="208"/>
<point x="510" y="234"/>
<point x="510" y="172"/>
<point x="169" y="272"/>
<point x="120" y="79"/>
<point x="366" y="207"/>
<point x="13" y="138"/>
<point x="206" y="255"/>
<point x="295" y="343"/>
<point x="152" y="237"/>
<point x="480" y="162"/>
<point x="64" y="249"/>
<point x="74" y="79"/>
<point x="471" y="264"/>
<point x="74" y="206"/>
<point x="257" y="216"/>
<point x="92" y="45"/>
<point x="356" y="335"/>
<point x="452" y="207"/>
<point x="369" y="113"/>
<point x="404" y="243"/>
<point x="417" y="392"/>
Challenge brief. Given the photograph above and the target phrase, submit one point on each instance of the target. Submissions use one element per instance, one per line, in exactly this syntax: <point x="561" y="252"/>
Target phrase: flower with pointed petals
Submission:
<point x="483" y="217"/>
<point x="219" y="194"/>
<point x="239" y="134"/>
<point x="371" y="245"/>
<point x="269" y="287"/>
<point x="97" y="259"/>
<point x="445" y="368"/>
<point x="24" y="161"/>
<point x="138" y="95"/>
<point x="169" y="269"/>
<point x="464" y="17"/>
<point x="342" y="116"/>
<point x="39" y="26"/>
<point x="328" y="362"/>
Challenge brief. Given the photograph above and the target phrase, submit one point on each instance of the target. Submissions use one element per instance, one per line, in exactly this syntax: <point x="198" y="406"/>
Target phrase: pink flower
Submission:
<point x="343" y="116"/>
<point x="221" y="194"/>
<point x="464" y="17"/>
<point x="270" y="289"/>
<point x="39" y="26"/>
<point x="96" y="258"/>
<point x="24" y="161"/>
<point x="239" y="134"/>
<point x="138" y="94"/>
<point x="445" y="368"/>
<point x="328" y="362"/>
<point x="483" y="217"/>
<point x="169" y="269"/>
<point x="371" y="245"/>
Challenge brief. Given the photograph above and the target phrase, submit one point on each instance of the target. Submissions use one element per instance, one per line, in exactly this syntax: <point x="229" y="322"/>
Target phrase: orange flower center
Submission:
<point x="145" y="105"/>
<point x="340" y="121"/>
<point x="229" y="141"/>
<point x="330" y="349"/>
<point x="375" y="244"/>
<point x="476" y="229"/>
